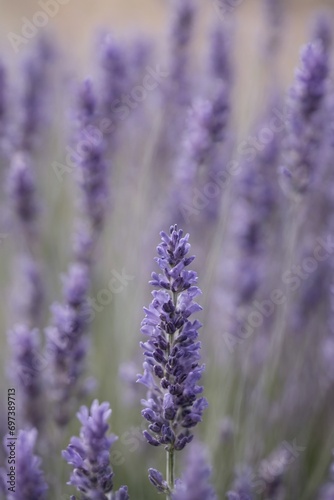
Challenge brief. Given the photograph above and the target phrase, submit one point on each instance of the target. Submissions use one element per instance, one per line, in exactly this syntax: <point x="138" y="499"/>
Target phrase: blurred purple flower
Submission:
<point x="195" y="483"/>
<point x="92" y="170"/>
<point x="305" y="122"/>
<point x="90" y="455"/>
<point x="26" y="369"/>
<point x="29" y="479"/>
<point x="67" y="343"/>
<point x="242" y="486"/>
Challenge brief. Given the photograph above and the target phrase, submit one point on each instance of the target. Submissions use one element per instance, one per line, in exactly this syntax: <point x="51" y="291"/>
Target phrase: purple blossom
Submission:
<point x="171" y="367"/>
<point x="180" y="37"/>
<point x="220" y="54"/>
<point x="322" y="30"/>
<point x="204" y="127"/>
<point x="33" y="99"/>
<point x="305" y="124"/>
<point x="21" y="187"/>
<point x="26" y="370"/>
<point x="195" y="483"/>
<point x="242" y="487"/>
<point x="29" y="480"/>
<point x="90" y="455"/>
<point x="67" y="343"/>
<point x="92" y="170"/>
<point x="114" y="74"/>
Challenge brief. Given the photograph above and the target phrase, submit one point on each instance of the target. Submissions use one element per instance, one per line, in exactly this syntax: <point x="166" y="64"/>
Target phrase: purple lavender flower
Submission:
<point x="92" y="171"/>
<point x="171" y="367"/>
<point x="195" y="483"/>
<point x="29" y="481"/>
<point x="305" y="125"/>
<point x="242" y="487"/>
<point x="33" y="100"/>
<point x="67" y="343"/>
<point x="90" y="455"/>
<point x="21" y="188"/>
<point x="322" y="30"/>
<point x="22" y="193"/>
<point x="181" y="31"/>
<point x="220" y="50"/>
<point x="26" y="370"/>
<point x="114" y="75"/>
<point x="204" y="128"/>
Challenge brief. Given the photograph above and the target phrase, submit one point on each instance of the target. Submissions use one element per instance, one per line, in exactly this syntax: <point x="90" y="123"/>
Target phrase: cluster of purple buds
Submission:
<point x="67" y="343"/>
<point x="304" y="128"/>
<point x="91" y="166"/>
<point x="195" y="483"/>
<point x="242" y="487"/>
<point x="172" y="352"/>
<point x="28" y="480"/>
<point x="26" y="370"/>
<point x="89" y="455"/>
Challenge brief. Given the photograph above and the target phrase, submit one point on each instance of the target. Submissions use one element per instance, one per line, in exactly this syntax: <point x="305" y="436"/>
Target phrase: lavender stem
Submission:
<point x="170" y="468"/>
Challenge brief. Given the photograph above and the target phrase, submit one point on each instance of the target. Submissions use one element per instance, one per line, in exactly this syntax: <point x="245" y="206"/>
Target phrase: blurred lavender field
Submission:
<point x="118" y="123"/>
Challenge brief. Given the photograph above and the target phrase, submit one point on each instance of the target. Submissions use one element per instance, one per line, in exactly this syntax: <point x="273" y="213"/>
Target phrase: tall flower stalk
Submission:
<point x="172" y="355"/>
<point x="89" y="455"/>
<point x="67" y="339"/>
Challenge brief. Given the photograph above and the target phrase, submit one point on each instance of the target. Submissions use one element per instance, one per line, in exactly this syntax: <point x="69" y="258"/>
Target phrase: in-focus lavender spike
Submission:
<point x="89" y="455"/>
<point x="172" y="351"/>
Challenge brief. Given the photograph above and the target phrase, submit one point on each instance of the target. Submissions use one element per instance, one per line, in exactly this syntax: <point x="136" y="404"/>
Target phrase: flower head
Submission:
<point x="30" y="482"/>
<point x="195" y="483"/>
<point x="90" y="454"/>
<point x="172" y="353"/>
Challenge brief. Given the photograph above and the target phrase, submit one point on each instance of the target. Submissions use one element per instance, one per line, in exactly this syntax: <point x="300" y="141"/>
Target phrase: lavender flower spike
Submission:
<point x="195" y="483"/>
<point x="306" y="120"/>
<point x="89" y="455"/>
<point x="26" y="371"/>
<point x="30" y="482"/>
<point x="172" y="352"/>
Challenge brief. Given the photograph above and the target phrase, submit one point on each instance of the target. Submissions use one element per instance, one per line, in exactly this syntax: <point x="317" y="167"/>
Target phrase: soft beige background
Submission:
<point x="75" y="21"/>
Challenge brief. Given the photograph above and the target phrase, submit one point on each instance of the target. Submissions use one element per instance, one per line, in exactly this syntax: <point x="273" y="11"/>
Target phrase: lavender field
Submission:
<point x="167" y="259"/>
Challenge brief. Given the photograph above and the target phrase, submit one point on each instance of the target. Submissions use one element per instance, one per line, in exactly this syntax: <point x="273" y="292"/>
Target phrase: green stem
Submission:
<point x="170" y="459"/>
<point x="170" y="467"/>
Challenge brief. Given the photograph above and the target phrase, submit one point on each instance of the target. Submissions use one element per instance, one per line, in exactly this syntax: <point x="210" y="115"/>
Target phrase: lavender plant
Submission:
<point x="177" y="139"/>
<point x="89" y="455"/>
<point x="172" y="354"/>
<point x="28" y="480"/>
<point x="195" y="483"/>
